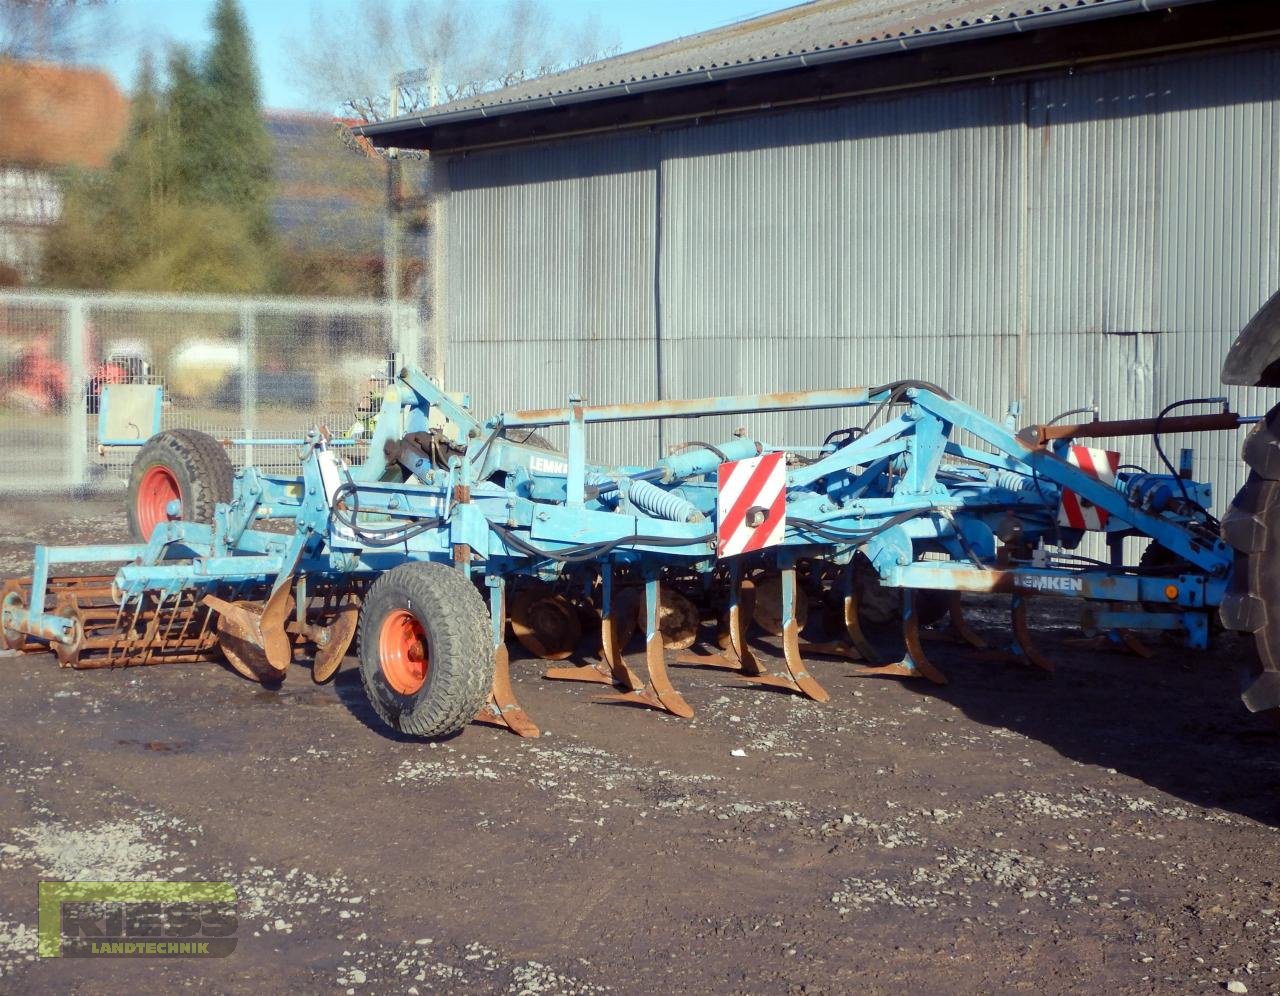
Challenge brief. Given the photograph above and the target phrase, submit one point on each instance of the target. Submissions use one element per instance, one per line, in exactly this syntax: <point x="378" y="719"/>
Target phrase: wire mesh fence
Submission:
<point x="256" y="373"/>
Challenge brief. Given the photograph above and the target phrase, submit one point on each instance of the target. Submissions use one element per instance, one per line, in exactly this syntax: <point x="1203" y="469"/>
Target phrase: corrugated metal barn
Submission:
<point x="1066" y="205"/>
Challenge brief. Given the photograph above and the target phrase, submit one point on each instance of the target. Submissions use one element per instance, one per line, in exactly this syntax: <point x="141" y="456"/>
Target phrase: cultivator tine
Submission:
<point x="502" y="709"/>
<point x="960" y="626"/>
<point x="657" y="692"/>
<point x="615" y="631"/>
<point x="858" y="648"/>
<point x="617" y="623"/>
<point x="1114" y="640"/>
<point x="1134" y="643"/>
<point x="958" y="629"/>
<point x="1024" y="647"/>
<point x="803" y="681"/>
<point x="915" y="662"/>
<point x="796" y="678"/>
<point x="737" y="656"/>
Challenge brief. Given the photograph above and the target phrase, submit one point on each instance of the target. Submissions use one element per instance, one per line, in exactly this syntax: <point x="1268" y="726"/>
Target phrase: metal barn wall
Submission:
<point x="550" y="281"/>
<point x="1092" y="238"/>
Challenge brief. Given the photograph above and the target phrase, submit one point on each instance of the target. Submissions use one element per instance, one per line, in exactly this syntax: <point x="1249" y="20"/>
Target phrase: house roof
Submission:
<point x="807" y="28"/>
<point x="810" y="35"/>
<point x="57" y="116"/>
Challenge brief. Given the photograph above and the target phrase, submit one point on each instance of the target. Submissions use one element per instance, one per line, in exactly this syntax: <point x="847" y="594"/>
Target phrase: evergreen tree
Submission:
<point x="229" y="140"/>
<point x="185" y="110"/>
<point x="184" y="205"/>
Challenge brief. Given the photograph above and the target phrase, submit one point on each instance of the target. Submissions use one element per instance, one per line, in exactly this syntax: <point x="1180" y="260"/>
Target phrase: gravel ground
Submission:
<point x="1110" y="828"/>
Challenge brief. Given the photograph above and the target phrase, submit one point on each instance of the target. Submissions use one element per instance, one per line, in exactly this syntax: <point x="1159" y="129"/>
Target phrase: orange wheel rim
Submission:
<point x="157" y="488"/>
<point x="402" y="651"/>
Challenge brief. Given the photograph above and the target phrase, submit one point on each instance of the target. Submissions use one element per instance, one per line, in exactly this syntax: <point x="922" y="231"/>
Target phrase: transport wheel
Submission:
<point x="177" y="464"/>
<point x="426" y="658"/>
<point x="1252" y="603"/>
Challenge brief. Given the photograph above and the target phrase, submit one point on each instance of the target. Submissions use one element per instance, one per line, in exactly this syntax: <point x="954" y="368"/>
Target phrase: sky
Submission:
<point x="275" y="24"/>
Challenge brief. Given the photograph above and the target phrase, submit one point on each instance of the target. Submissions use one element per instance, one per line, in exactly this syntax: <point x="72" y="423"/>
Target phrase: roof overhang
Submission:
<point x="1063" y="37"/>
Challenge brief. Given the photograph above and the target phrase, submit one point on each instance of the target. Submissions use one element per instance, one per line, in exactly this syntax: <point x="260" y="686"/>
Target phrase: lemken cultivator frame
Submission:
<point x="422" y="552"/>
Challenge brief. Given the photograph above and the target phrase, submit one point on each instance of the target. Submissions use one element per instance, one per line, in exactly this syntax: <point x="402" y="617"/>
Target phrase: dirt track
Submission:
<point x="1112" y="828"/>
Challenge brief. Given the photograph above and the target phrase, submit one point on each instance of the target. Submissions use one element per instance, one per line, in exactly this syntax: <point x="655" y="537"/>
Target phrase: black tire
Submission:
<point x="199" y="465"/>
<point x="459" y="651"/>
<point x="1252" y="603"/>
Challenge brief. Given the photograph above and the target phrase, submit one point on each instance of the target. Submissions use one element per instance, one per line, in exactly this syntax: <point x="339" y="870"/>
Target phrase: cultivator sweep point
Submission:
<point x="884" y="525"/>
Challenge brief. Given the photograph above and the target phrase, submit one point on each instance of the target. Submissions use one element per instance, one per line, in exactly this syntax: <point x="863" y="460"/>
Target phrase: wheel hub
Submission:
<point x="402" y="652"/>
<point x="157" y="489"/>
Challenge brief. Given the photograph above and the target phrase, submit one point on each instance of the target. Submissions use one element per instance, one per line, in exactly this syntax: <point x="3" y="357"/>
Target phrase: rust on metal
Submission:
<point x="958" y="629"/>
<point x="1040" y="435"/>
<point x="735" y="653"/>
<point x="677" y="620"/>
<point x="148" y="630"/>
<point x="656" y="692"/>
<point x="546" y="625"/>
<point x="1024" y="646"/>
<point x="767" y="605"/>
<point x="691" y="407"/>
<point x="501" y="708"/>
<point x="329" y="621"/>
<point x="12" y="597"/>
<point x="915" y="662"/>
<point x="617" y="626"/>
<point x="253" y="635"/>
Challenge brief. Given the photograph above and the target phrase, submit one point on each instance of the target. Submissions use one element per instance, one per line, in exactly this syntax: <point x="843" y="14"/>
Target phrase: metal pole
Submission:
<point x="248" y="378"/>
<point x="77" y="425"/>
<point x="391" y="236"/>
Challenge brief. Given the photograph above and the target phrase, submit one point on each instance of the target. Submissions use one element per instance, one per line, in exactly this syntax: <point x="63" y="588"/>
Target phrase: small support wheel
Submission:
<point x="426" y="657"/>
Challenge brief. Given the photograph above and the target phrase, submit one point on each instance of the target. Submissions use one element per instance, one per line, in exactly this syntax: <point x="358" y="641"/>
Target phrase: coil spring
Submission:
<point x="663" y="504"/>
<point x="1011" y="481"/>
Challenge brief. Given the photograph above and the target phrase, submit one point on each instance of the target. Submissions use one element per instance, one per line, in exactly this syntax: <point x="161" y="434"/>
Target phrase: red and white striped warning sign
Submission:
<point x="751" y="504"/>
<point x="1080" y="513"/>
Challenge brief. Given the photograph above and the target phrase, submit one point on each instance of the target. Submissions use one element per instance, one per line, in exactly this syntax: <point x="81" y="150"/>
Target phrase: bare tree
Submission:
<point x="354" y="51"/>
<point x="53" y="30"/>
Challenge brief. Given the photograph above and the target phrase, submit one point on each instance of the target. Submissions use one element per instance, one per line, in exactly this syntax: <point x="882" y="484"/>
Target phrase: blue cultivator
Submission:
<point x="921" y="500"/>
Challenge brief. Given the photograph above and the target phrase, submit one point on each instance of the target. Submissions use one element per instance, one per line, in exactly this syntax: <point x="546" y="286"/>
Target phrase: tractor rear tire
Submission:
<point x="426" y="653"/>
<point x="1252" y="603"/>
<point x="181" y="464"/>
